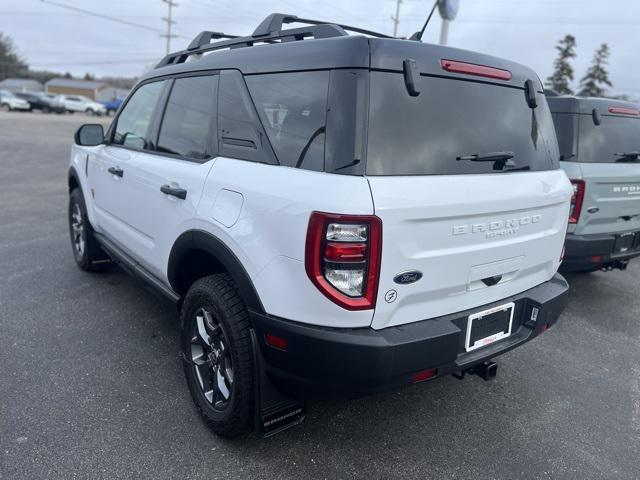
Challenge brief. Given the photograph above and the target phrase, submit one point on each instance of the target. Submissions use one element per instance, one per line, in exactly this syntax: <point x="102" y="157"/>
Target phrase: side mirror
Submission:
<point x="89" y="135"/>
<point x="595" y="114"/>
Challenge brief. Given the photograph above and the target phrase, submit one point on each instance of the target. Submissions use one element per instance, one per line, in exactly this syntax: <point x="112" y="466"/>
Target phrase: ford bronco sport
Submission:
<point x="333" y="214"/>
<point x="599" y="143"/>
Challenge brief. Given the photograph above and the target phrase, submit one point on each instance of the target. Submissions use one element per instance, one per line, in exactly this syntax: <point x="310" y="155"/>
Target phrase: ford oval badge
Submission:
<point x="406" y="278"/>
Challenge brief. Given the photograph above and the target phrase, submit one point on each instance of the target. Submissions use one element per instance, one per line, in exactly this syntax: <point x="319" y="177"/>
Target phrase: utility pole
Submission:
<point x="168" y="19"/>
<point x="396" y="19"/>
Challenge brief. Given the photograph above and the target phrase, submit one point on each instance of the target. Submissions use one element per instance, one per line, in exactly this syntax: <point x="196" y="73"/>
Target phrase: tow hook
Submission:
<point x="485" y="370"/>
<point x="619" y="264"/>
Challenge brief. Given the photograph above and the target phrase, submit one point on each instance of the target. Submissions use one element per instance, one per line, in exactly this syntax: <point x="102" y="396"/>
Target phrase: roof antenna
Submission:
<point x="418" y="35"/>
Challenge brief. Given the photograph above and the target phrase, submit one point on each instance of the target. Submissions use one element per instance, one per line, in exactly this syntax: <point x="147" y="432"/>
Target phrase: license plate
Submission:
<point x="489" y="326"/>
<point x="624" y="243"/>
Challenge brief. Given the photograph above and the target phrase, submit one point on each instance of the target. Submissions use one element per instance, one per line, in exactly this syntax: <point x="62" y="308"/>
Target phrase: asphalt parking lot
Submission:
<point x="91" y="383"/>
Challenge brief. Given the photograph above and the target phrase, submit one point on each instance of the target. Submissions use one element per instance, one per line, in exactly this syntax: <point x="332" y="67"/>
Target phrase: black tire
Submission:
<point x="90" y="111"/>
<point x="217" y="295"/>
<point x="90" y="256"/>
<point x="6" y="107"/>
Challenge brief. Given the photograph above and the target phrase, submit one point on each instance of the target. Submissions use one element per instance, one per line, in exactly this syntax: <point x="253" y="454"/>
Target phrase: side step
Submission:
<point x="275" y="411"/>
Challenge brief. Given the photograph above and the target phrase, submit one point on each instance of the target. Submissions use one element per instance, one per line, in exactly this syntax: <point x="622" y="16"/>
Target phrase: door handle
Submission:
<point x="116" y="171"/>
<point x="174" y="191"/>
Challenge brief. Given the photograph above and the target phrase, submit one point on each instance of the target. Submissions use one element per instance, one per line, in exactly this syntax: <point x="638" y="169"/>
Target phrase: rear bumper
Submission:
<point x="329" y="362"/>
<point x="591" y="252"/>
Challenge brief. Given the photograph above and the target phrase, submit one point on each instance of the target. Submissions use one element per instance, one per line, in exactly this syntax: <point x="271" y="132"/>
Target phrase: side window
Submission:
<point x="566" y="130"/>
<point x="132" y="129"/>
<point x="187" y="120"/>
<point x="293" y="110"/>
<point x="240" y="134"/>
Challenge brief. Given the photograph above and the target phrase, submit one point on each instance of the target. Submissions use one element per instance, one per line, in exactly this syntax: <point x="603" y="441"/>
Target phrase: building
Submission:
<point x="71" y="86"/>
<point x="21" y="85"/>
<point x="109" y="93"/>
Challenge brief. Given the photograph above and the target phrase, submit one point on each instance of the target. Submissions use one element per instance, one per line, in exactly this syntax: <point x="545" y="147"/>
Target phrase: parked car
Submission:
<point x="79" y="103"/>
<point x="9" y="102"/>
<point x="333" y="215"/>
<point x="600" y="151"/>
<point x="39" y="101"/>
<point x="113" y="105"/>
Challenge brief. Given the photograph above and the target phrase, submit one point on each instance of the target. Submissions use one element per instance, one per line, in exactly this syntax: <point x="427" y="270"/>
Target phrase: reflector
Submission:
<point x="423" y="375"/>
<point x="275" y="341"/>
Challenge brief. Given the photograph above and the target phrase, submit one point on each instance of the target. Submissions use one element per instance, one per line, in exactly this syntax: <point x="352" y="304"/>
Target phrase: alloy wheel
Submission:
<point x="211" y="359"/>
<point x="77" y="229"/>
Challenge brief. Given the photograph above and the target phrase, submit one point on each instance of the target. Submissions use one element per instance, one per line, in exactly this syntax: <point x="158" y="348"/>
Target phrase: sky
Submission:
<point x="51" y="37"/>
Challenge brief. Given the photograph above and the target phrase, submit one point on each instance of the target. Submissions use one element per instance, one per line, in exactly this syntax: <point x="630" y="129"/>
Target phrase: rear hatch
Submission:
<point x="477" y="231"/>
<point x="606" y="157"/>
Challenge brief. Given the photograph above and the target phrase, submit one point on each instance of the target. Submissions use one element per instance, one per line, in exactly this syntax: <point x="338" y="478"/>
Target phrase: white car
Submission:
<point x="332" y="215"/>
<point x="9" y="102"/>
<point x="79" y="103"/>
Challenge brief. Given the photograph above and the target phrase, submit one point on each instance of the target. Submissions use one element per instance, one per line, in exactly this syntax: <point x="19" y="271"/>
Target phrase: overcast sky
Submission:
<point x="54" y="38"/>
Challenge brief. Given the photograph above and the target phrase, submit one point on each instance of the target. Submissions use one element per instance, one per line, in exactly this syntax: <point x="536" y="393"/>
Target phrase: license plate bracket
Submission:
<point x="489" y="326"/>
<point x="625" y="242"/>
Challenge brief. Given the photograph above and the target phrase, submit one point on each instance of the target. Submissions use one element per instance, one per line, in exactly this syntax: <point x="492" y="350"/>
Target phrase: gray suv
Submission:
<point x="599" y="143"/>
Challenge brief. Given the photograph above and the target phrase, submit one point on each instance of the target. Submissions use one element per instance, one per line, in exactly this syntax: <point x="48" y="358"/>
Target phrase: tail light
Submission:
<point x="576" y="200"/>
<point x="342" y="258"/>
<point x="624" y="111"/>
<point x="454" y="66"/>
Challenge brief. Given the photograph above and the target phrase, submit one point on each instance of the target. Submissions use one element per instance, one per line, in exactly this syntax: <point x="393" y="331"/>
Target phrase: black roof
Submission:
<point x="585" y="105"/>
<point x="325" y="46"/>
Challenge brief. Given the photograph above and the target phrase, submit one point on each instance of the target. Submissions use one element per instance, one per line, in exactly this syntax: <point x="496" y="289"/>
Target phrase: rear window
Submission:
<point x="601" y="143"/>
<point x="424" y="135"/>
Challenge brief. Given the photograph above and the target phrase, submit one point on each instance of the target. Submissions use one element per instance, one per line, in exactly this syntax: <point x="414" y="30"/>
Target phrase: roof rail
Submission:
<point x="274" y="22"/>
<point x="204" y="38"/>
<point x="269" y="31"/>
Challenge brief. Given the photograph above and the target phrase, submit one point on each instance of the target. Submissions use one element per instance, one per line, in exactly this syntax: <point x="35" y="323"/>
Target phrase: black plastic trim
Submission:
<point x="333" y="362"/>
<point x="127" y="262"/>
<point x="73" y="174"/>
<point x="580" y="248"/>
<point x="201" y="240"/>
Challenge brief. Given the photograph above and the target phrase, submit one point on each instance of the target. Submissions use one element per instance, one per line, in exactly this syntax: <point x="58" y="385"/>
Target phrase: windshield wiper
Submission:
<point x="500" y="159"/>
<point x="627" y="156"/>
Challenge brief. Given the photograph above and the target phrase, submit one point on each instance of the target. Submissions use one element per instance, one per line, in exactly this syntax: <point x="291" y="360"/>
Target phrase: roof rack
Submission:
<point x="273" y="23"/>
<point x="269" y="31"/>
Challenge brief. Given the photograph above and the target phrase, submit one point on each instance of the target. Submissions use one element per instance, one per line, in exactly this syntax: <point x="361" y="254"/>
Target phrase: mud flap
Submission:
<point x="275" y="411"/>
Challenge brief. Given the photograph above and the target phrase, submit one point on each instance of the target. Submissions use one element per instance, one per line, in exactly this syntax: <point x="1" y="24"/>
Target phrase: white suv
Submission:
<point x="338" y="215"/>
<point x="79" y="103"/>
<point x="9" y="102"/>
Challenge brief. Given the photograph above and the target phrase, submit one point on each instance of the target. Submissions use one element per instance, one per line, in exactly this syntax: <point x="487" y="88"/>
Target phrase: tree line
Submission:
<point x="12" y="65"/>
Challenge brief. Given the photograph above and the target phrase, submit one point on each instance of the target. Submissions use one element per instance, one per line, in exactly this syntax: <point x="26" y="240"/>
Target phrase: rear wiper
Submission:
<point x="627" y="156"/>
<point x="501" y="159"/>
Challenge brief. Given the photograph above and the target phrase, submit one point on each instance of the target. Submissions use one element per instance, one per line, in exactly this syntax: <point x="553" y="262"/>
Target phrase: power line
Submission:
<point x="103" y="16"/>
<point x="100" y="15"/>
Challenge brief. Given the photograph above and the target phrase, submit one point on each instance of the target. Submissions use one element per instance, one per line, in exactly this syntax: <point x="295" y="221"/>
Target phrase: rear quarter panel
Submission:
<point x="268" y="226"/>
